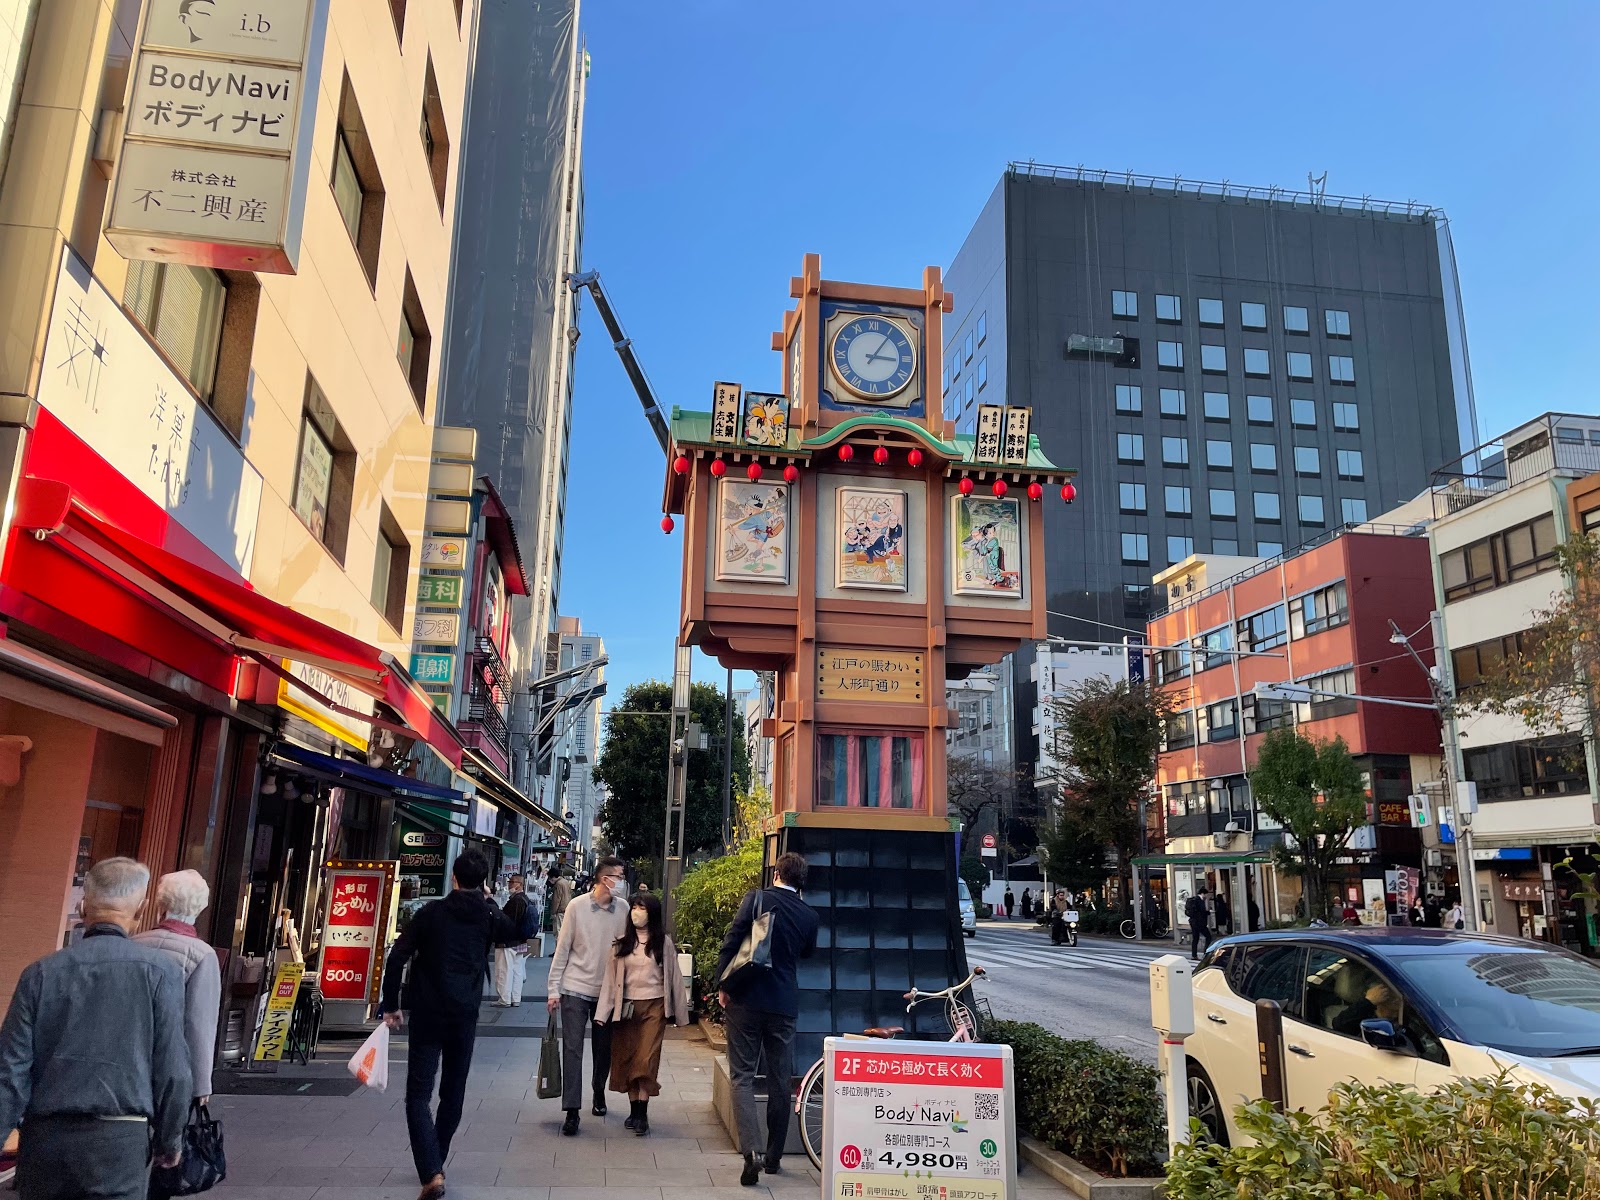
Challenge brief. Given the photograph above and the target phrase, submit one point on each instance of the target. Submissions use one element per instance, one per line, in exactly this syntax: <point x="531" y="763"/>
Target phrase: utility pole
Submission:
<point x="727" y="768"/>
<point x="672" y="848"/>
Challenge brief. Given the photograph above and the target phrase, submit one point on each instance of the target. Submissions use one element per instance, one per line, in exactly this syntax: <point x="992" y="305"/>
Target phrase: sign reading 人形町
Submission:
<point x="880" y="676"/>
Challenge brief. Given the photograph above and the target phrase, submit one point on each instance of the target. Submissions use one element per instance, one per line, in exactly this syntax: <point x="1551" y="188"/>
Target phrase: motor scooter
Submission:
<point x="1064" y="927"/>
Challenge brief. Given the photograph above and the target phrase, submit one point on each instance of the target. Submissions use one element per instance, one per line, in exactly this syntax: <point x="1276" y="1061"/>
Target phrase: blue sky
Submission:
<point x="725" y="140"/>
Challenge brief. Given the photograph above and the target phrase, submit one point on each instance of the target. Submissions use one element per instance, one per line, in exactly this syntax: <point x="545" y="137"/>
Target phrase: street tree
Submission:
<point x="633" y="768"/>
<point x="974" y="788"/>
<point x="1314" y="790"/>
<point x="1074" y="852"/>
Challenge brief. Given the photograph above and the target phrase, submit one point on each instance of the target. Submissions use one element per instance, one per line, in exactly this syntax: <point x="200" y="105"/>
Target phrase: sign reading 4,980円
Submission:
<point x="918" y="1121"/>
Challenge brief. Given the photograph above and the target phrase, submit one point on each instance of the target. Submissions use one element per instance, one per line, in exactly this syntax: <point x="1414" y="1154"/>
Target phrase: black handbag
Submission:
<point x="204" y="1164"/>
<point x="549" y="1081"/>
<point x="754" y="958"/>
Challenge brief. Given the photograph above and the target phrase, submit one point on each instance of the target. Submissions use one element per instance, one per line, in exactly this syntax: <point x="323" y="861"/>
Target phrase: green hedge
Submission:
<point x="1475" y="1139"/>
<point x="1098" y="1105"/>
<point x="708" y="899"/>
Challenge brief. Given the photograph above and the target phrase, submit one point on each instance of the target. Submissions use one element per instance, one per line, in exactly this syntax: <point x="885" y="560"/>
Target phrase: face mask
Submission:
<point x="640" y="918"/>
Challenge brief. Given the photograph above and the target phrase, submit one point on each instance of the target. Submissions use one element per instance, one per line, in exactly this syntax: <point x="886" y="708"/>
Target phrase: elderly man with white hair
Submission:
<point x="180" y="899"/>
<point x="93" y="1066"/>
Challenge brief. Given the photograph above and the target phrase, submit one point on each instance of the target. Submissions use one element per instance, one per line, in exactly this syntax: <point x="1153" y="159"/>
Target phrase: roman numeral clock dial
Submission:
<point x="873" y="357"/>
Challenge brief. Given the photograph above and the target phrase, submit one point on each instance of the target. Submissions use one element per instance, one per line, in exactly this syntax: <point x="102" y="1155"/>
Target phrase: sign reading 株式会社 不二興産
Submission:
<point x="216" y="145"/>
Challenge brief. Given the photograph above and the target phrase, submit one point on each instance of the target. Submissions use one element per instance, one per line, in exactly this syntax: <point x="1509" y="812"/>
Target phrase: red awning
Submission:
<point x="229" y="610"/>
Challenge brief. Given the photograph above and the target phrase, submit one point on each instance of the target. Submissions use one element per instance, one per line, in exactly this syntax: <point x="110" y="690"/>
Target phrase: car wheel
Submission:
<point x="971" y="933"/>
<point x="1204" y="1105"/>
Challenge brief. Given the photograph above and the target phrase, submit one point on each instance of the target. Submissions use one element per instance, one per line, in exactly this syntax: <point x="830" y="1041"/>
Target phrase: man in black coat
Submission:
<point x="447" y="944"/>
<point x="761" y="1015"/>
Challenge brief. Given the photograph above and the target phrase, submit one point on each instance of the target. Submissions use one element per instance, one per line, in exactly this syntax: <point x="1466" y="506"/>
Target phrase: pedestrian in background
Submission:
<point x="1222" y="914"/>
<point x="93" y="1064"/>
<point x="1456" y="918"/>
<point x="761" y="1016"/>
<point x="558" y="905"/>
<point x="1027" y="903"/>
<point x="180" y="899"/>
<point x="510" y="958"/>
<point x="1196" y="912"/>
<point x="1011" y="902"/>
<point x="643" y="991"/>
<point x="446" y="945"/>
<point x="590" y="928"/>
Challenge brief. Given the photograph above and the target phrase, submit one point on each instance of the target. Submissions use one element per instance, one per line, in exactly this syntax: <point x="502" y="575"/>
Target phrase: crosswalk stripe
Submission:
<point x="1056" y="956"/>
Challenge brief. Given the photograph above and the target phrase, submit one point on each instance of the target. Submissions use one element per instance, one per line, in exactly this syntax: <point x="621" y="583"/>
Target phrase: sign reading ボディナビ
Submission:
<point x="918" y="1121"/>
<point x="216" y="151"/>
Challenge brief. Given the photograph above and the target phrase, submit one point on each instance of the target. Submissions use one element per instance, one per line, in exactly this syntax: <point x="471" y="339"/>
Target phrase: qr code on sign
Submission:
<point x="986" y="1106"/>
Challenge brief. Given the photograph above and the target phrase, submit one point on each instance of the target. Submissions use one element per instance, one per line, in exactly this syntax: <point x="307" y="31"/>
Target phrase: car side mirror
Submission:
<point x="1381" y="1035"/>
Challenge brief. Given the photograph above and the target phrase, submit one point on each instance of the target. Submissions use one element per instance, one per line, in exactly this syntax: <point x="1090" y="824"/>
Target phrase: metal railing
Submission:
<point x="1554" y="443"/>
<point x="484" y="713"/>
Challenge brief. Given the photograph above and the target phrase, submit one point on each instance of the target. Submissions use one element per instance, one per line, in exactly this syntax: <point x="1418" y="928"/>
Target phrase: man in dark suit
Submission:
<point x="761" y="1016"/>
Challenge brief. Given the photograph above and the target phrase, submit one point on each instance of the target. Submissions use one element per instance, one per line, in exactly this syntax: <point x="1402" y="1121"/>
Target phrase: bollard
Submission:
<point x="1269" y="1050"/>
<point x="1172" y="1015"/>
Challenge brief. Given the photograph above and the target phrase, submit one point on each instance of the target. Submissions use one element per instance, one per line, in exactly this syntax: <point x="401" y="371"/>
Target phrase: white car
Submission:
<point x="969" y="912"/>
<point x="1415" y="1006"/>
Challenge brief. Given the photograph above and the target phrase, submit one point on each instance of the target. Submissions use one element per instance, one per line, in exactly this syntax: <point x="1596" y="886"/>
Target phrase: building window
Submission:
<point x="1173" y="664"/>
<point x="856" y="770"/>
<point x="1296" y="319"/>
<point x="983" y="327"/>
<point x="1341" y="369"/>
<point x="1326" y="608"/>
<point x="1132" y="497"/>
<point x="955" y="364"/>
<point x="1179" y="548"/>
<point x="1125" y="304"/>
<point x="1130" y="398"/>
<point x="1210" y="312"/>
<point x="1175" y="451"/>
<point x="1311" y="511"/>
<point x="1259" y="716"/>
<point x="1168" y="308"/>
<point x="1257" y="363"/>
<point x="1224" y="545"/>
<point x="968" y="401"/>
<point x="1219" y="453"/>
<point x="1265" y="630"/>
<point x="324" y="474"/>
<point x="983" y="372"/>
<point x="415" y="345"/>
<point x="1213" y="647"/>
<point x="1216" y="406"/>
<point x="1221" y="721"/>
<point x="313" y="483"/>
<point x="1258" y="409"/>
<point x="1340" y="703"/>
<point x="1353" y="510"/>
<point x="1552" y="766"/>
<point x="1173" y="403"/>
<point x="1263" y="457"/>
<point x="1303" y="413"/>
<point x="1223" y="503"/>
<point x="1178" y="501"/>
<point x="1299" y="365"/>
<point x="1130" y="447"/>
<point x="1269" y="549"/>
<point x="435" y="136"/>
<point x="1214" y="359"/>
<point x="357" y="186"/>
<point x="1338" y="322"/>
<point x="1177" y="731"/>
<point x="1485" y="660"/>
<point x="182" y="309"/>
<point x="1307" y="461"/>
<point x="944" y="381"/>
<point x="1268" y="506"/>
<point x="1135" y="548"/>
<point x="1350" y="466"/>
<point x="966" y="349"/>
<point x="1345" y="415"/>
<point x="391" y="564"/>
<point x="1252" y="316"/>
<point x="1517" y="553"/>
<point x="1169" y="356"/>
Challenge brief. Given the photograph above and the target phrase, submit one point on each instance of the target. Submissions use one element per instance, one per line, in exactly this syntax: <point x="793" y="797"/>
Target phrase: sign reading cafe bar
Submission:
<point x="216" y="145"/>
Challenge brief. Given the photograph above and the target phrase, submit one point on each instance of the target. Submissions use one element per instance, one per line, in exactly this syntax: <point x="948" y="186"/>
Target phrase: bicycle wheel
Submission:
<point x="1127" y="929"/>
<point x="809" y="1108"/>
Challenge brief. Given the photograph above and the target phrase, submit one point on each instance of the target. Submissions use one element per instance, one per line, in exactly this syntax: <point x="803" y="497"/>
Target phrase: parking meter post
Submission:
<point x="1172" y="1016"/>
<point x="1269" y="1048"/>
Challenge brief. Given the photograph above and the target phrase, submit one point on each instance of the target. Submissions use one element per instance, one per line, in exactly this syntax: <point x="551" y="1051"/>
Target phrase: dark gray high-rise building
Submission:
<point x="1234" y="370"/>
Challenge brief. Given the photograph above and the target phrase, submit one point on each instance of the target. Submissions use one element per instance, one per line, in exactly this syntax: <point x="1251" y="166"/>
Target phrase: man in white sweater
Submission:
<point x="590" y="928"/>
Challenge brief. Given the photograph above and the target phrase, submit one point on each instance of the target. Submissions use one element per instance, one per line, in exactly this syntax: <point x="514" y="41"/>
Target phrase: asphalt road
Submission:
<point x="1099" y="989"/>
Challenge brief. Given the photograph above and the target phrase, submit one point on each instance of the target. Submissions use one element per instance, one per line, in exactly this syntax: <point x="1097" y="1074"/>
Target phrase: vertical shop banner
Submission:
<point x="918" y="1121"/>
<point x="274" y="1035"/>
<point x="352" y="927"/>
<point x="422" y="859"/>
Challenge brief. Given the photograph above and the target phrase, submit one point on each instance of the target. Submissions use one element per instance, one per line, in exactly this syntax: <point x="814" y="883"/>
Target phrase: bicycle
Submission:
<point x="1152" y="929"/>
<point x="811" y="1096"/>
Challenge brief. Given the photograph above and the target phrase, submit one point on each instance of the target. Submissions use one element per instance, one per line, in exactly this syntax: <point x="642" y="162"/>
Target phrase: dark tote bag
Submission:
<point x="204" y="1165"/>
<point x="754" y="958"/>
<point x="549" y="1083"/>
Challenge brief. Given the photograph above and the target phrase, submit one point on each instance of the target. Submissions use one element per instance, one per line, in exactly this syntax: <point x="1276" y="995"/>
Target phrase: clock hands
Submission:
<point x="875" y="356"/>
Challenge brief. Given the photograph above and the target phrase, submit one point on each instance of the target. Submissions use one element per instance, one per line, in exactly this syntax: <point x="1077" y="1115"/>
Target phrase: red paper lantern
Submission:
<point x="880" y="455"/>
<point x="681" y="464"/>
<point x="915" y="457"/>
<point x="718" y="467"/>
<point x="846" y="452"/>
<point x="999" y="487"/>
<point x="754" y="471"/>
<point x="666" y="525"/>
<point x="791" y="473"/>
<point x="1035" y="490"/>
<point x="1069" y="493"/>
<point x="965" y="486"/>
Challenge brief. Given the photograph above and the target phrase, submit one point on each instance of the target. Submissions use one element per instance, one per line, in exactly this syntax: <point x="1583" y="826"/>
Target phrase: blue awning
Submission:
<point x="371" y="779"/>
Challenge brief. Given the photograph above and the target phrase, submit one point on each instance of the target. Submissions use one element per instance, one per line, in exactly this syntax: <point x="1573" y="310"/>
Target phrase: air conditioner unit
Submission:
<point x="1231" y="828"/>
<point x="1221" y="840"/>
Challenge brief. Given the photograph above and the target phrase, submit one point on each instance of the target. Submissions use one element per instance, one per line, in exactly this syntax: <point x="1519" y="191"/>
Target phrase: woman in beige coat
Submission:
<point x="643" y="990"/>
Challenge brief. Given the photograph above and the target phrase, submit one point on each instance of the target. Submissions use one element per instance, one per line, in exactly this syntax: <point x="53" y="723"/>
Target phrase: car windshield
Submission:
<point x="1534" y="1002"/>
<point x="963" y="891"/>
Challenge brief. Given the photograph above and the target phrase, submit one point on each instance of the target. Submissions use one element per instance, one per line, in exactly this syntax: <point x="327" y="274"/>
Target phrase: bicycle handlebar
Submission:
<point x="917" y="997"/>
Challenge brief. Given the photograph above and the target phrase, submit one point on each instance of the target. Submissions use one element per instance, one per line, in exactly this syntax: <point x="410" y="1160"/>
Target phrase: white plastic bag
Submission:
<point x="370" y="1064"/>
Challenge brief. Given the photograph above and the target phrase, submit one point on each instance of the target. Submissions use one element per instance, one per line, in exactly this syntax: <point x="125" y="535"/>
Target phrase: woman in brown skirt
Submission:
<point x="643" y="990"/>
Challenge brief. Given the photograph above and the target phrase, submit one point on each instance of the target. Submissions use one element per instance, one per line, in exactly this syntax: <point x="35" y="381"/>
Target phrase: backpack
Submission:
<point x="1195" y="910"/>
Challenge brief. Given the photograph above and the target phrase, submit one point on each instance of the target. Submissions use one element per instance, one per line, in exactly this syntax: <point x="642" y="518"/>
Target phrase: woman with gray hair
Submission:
<point x="180" y="898"/>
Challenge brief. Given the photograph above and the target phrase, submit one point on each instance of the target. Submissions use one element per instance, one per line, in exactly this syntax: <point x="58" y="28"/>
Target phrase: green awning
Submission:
<point x="444" y="821"/>
<point x="1245" y="858"/>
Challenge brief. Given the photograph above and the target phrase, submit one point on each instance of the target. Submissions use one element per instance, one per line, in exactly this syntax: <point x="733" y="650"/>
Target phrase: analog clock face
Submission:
<point x="873" y="357"/>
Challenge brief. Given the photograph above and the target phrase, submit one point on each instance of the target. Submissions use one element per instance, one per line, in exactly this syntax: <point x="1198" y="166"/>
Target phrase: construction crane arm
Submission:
<point x="623" y="345"/>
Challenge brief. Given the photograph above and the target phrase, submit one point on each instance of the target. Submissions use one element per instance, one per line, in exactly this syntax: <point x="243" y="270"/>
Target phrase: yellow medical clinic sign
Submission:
<point x="274" y="1035"/>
